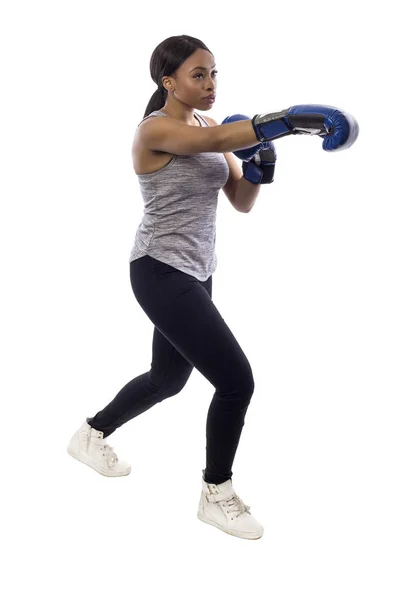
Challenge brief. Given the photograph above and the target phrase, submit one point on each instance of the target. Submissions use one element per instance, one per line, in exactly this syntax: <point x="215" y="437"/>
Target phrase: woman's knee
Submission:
<point x="247" y="388"/>
<point x="242" y="388"/>
<point x="174" y="383"/>
<point x="250" y="385"/>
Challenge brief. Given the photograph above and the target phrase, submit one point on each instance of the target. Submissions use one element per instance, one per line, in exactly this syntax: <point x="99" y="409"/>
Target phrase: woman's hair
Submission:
<point x="166" y="60"/>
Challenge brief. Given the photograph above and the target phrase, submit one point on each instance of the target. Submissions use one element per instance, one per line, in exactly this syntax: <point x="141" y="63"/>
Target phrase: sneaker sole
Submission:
<point x="89" y="463"/>
<point x="255" y="536"/>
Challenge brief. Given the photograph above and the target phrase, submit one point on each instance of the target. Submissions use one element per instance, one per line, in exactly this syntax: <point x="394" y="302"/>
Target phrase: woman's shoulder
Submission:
<point x="209" y="120"/>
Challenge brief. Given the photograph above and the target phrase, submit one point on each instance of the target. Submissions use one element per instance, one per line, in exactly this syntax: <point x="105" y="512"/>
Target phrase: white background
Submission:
<point x="311" y="293"/>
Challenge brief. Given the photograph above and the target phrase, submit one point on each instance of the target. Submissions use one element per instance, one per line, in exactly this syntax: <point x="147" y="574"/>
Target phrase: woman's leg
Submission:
<point x="189" y="332"/>
<point x="181" y="308"/>
<point x="168" y="375"/>
<point x="169" y="371"/>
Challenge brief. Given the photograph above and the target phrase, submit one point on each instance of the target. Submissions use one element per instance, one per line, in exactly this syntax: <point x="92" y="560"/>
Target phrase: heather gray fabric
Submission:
<point x="178" y="226"/>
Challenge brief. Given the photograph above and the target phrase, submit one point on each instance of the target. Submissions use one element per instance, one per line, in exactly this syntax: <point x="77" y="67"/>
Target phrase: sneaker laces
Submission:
<point x="110" y="455"/>
<point x="237" y="505"/>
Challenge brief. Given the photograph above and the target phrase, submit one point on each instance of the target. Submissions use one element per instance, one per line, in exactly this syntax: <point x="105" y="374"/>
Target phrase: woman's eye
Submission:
<point x="201" y="74"/>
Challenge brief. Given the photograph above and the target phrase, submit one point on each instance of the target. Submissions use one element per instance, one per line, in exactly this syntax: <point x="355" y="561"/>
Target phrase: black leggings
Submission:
<point x="189" y="332"/>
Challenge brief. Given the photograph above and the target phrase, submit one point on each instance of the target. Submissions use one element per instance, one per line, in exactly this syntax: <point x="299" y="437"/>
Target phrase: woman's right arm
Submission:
<point x="339" y="130"/>
<point x="166" y="134"/>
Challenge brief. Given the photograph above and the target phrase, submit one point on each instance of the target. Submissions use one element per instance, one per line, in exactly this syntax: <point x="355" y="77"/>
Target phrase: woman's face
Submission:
<point x="196" y="79"/>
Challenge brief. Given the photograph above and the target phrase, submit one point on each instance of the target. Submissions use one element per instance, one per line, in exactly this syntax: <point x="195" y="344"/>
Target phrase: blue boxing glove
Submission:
<point x="258" y="164"/>
<point x="338" y="129"/>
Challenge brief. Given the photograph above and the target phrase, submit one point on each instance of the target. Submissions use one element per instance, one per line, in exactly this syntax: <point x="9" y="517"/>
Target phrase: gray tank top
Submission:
<point x="178" y="226"/>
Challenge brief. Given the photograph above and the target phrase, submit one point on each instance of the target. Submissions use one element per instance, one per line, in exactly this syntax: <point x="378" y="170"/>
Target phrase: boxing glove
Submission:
<point x="258" y="162"/>
<point x="338" y="129"/>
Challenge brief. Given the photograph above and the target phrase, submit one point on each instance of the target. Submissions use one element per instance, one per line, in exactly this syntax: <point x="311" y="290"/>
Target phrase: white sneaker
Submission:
<point x="221" y="507"/>
<point x="88" y="446"/>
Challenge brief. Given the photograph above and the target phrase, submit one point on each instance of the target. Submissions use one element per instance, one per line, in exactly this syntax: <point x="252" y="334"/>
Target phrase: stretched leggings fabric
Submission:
<point x="188" y="332"/>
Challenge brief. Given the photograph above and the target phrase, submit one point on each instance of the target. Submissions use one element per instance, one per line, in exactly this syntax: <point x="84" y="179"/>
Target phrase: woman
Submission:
<point x="171" y="267"/>
<point x="181" y="171"/>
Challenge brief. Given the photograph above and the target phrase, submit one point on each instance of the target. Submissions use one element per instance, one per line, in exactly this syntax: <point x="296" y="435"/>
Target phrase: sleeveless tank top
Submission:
<point x="178" y="226"/>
